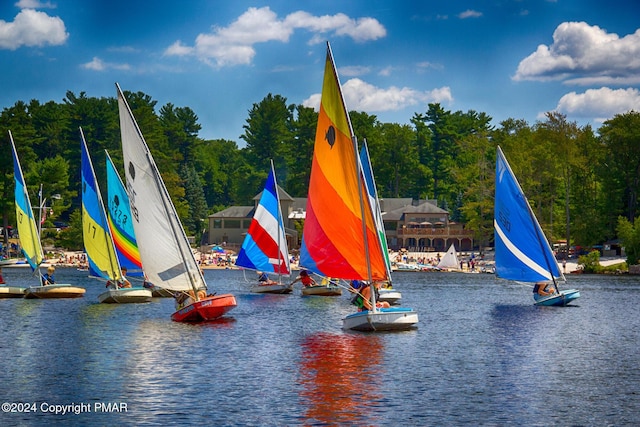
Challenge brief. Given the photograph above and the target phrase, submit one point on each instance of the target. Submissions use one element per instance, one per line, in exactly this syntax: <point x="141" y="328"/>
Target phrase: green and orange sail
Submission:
<point x="339" y="237"/>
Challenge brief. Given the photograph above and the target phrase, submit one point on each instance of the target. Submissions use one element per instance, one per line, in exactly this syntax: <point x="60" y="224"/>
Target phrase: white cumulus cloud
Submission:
<point x="470" y="14"/>
<point x="362" y="96"/>
<point x="601" y="104"/>
<point x="35" y="4"/>
<point x="234" y="44"/>
<point x="586" y="55"/>
<point x="32" y="28"/>
<point x="98" y="64"/>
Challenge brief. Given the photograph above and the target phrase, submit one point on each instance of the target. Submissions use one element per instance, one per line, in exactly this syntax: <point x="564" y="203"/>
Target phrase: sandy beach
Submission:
<point x="75" y="259"/>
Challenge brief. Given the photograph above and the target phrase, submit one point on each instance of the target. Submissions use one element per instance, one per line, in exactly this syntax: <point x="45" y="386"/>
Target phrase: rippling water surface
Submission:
<point x="482" y="354"/>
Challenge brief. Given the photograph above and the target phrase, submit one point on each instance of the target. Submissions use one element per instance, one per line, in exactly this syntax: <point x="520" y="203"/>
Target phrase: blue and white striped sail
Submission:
<point x="522" y="251"/>
<point x="98" y="244"/>
<point x="27" y="228"/>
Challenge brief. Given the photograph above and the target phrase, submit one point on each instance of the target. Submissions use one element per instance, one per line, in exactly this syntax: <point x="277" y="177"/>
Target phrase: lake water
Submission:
<point x="482" y="354"/>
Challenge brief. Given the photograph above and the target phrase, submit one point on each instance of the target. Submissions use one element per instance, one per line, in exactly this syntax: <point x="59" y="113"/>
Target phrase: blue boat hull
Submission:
<point x="561" y="299"/>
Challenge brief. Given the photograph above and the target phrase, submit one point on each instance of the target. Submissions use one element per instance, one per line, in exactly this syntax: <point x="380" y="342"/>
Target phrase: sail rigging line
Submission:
<point x="170" y="210"/>
<point x="365" y="147"/>
<point x="358" y="165"/>
<point x="280" y="221"/>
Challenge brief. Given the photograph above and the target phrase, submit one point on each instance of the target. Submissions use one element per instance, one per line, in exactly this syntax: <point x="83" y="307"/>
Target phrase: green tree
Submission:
<point x="268" y="131"/>
<point x="476" y="168"/>
<point x="629" y="234"/>
<point x="181" y="128"/>
<point x="71" y="236"/>
<point x="195" y="201"/>
<point x="621" y="137"/>
<point x="299" y="152"/>
<point x="395" y="162"/>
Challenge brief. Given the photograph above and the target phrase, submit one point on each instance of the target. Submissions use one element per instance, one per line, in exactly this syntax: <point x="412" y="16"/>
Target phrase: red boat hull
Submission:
<point x="209" y="308"/>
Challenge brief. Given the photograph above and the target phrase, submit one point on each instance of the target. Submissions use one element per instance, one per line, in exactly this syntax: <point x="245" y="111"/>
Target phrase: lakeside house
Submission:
<point x="415" y="225"/>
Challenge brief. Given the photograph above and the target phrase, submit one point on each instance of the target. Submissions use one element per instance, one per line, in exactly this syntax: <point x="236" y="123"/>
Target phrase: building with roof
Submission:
<point x="229" y="226"/>
<point x="417" y="226"/>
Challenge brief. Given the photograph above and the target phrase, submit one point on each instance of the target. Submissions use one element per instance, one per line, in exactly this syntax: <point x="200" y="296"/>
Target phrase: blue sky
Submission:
<point x="507" y="58"/>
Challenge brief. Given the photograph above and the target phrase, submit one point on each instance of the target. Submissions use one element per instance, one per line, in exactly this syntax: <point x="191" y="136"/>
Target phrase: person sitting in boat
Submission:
<point x="124" y="283"/>
<point x="47" y="278"/>
<point x="305" y="279"/>
<point x="184" y="299"/>
<point x="542" y="290"/>
<point x="362" y="300"/>
<point x="146" y="283"/>
<point x="263" y="279"/>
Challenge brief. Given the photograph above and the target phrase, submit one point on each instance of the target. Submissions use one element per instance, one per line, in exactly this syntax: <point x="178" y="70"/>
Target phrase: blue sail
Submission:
<point x="522" y="251"/>
<point x="97" y="239"/>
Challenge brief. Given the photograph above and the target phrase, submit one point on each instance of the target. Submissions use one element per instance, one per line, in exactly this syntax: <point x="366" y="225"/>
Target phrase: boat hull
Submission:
<point x="209" y="308"/>
<point x="383" y="319"/>
<point x="11" y="291"/>
<point x="157" y="292"/>
<point x="389" y="295"/>
<point x="125" y="295"/>
<point x="321" y="290"/>
<point x="272" y="289"/>
<point x="559" y="300"/>
<point x="54" y="291"/>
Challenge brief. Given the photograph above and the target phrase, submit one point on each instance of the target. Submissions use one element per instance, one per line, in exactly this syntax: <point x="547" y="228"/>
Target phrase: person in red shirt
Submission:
<point x="305" y="279"/>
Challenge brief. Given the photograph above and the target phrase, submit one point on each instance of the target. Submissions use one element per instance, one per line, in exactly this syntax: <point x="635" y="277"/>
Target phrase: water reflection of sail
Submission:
<point x="340" y="375"/>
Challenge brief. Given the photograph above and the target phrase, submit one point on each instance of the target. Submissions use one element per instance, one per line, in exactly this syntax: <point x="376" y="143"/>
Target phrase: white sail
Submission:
<point x="450" y="259"/>
<point x="164" y="248"/>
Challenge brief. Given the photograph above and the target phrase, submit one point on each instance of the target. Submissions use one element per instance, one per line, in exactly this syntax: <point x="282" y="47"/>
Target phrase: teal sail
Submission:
<point x="121" y="223"/>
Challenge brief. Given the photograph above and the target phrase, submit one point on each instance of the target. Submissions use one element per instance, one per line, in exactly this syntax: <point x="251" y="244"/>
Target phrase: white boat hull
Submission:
<point x="320" y="290"/>
<point x="11" y="291"/>
<point x="125" y="295"/>
<point x="389" y="295"/>
<point x="272" y="289"/>
<point x="383" y="319"/>
<point x="54" y="291"/>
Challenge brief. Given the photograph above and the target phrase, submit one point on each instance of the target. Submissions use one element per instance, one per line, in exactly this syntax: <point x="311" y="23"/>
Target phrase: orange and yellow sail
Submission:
<point x="339" y="237"/>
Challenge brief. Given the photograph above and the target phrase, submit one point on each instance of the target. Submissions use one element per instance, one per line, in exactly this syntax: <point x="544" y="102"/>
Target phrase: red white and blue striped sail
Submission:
<point x="521" y="249"/>
<point x="265" y="245"/>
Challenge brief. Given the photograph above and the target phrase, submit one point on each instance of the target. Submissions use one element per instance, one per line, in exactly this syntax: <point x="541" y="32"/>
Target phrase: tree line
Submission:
<point x="582" y="184"/>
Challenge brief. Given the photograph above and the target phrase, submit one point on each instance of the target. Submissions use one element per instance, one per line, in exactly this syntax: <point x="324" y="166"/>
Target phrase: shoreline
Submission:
<point x="73" y="260"/>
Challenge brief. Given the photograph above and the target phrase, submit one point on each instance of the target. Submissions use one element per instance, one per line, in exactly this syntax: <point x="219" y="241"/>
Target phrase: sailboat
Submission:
<point x="450" y="260"/>
<point x="165" y="252"/>
<point x="29" y="235"/>
<point x="328" y="287"/>
<point x="340" y="238"/>
<point x="264" y="248"/>
<point x="98" y="243"/>
<point x="121" y="229"/>
<point x="522" y="252"/>
<point x="386" y="292"/>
